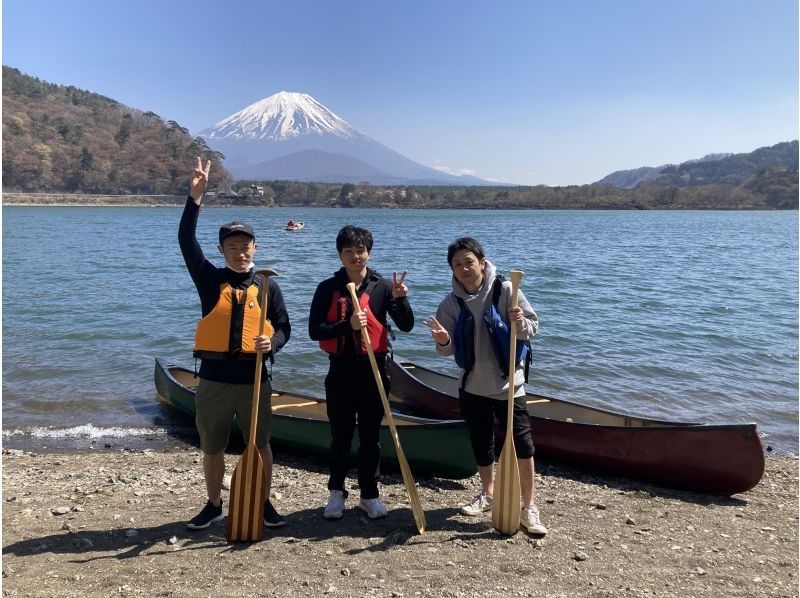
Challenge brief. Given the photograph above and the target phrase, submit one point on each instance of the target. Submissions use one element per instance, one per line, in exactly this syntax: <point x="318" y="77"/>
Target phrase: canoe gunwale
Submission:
<point x="651" y="424"/>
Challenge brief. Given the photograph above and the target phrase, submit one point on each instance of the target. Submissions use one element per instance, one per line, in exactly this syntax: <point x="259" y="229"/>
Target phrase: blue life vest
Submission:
<point x="499" y="335"/>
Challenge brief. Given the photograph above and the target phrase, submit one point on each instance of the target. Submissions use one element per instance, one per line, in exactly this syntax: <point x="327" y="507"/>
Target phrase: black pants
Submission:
<point x="353" y="400"/>
<point x="480" y="414"/>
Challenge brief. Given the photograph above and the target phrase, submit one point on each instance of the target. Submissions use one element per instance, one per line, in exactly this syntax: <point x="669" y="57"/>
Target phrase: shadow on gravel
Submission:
<point x="642" y="489"/>
<point x="303" y="528"/>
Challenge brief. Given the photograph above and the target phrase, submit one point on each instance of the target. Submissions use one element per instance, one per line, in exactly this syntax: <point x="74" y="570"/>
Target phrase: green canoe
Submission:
<point x="299" y="422"/>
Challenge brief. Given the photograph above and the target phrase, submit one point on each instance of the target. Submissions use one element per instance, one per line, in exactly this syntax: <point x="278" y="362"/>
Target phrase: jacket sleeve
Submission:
<point x="318" y="328"/>
<point x="279" y="317"/>
<point x="447" y="315"/>
<point x="192" y="253"/>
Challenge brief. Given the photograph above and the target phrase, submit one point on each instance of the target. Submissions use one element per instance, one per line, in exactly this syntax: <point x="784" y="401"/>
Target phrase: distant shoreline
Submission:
<point x="172" y="201"/>
<point x="86" y="200"/>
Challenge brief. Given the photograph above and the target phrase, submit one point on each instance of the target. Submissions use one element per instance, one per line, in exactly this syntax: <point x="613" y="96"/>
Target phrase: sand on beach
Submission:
<point x="112" y="522"/>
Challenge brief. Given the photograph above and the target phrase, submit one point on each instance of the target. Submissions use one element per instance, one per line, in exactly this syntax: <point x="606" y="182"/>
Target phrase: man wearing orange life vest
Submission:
<point x="353" y="398"/>
<point x="226" y="341"/>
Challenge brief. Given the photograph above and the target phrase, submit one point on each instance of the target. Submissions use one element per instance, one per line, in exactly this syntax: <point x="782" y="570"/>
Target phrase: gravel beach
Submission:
<point x="112" y="522"/>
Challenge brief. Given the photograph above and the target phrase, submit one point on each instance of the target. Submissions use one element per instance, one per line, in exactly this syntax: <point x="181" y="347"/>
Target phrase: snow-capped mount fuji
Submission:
<point x="271" y="139"/>
<point x="281" y="117"/>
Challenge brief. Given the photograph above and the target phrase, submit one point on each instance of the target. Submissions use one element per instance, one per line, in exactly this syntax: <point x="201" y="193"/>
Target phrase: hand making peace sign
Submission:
<point x="438" y="332"/>
<point x="399" y="290"/>
<point x="199" y="180"/>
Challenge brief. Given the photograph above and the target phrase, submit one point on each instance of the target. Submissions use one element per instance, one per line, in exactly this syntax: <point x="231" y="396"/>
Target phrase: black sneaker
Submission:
<point x="271" y="516"/>
<point x="210" y="514"/>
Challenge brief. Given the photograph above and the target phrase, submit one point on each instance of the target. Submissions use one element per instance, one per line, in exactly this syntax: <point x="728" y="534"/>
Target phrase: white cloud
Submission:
<point x="456" y="171"/>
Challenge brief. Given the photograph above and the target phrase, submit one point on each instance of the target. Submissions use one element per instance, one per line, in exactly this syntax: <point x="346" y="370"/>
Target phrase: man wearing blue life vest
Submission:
<point x="226" y="341"/>
<point x="352" y="395"/>
<point x="462" y="327"/>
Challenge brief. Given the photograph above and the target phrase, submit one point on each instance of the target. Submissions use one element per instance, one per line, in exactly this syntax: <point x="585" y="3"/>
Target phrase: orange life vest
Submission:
<point x="337" y="311"/>
<point x="229" y="330"/>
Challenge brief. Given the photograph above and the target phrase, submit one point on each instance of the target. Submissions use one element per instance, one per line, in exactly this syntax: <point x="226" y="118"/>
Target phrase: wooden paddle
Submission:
<point x="506" y="504"/>
<point x="408" y="480"/>
<point x="248" y="484"/>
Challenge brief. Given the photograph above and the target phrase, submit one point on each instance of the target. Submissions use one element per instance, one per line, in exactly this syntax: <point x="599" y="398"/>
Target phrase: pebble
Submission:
<point x="173" y="540"/>
<point x="330" y="590"/>
<point x="132" y="533"/>
<point x="630" y="521"/>
<point x="60" y="510"/>
<point x="699" y="570"/>
<point x="580" y="556"/>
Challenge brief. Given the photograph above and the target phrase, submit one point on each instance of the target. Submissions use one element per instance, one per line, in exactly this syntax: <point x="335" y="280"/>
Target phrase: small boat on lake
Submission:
<point x="718" y="459"/>
<point x="438" y="447"/>
<point x="294" y="225"/>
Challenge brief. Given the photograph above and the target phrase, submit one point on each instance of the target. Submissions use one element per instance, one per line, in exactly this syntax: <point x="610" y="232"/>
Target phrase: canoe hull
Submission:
<point x="432" y="447"/>
<point x="717" y="459"/>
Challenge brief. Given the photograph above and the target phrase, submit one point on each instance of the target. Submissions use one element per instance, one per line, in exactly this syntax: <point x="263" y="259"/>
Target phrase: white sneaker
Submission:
<point x="529" y="519"/>
<point x="335" y="506"/>
<point x="481" y="504"/>
<point x="374" y="507"/>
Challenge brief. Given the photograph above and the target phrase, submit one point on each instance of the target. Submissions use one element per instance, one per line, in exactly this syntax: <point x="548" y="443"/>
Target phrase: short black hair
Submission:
<point x="353" y="236"/>
<point x="466" y="243"/>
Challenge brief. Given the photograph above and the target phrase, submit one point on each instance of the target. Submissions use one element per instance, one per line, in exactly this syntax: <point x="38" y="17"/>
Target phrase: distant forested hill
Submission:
<point x="714" y="169"/>
<point x="730" y="170"/>
<point x="64" y="139"/>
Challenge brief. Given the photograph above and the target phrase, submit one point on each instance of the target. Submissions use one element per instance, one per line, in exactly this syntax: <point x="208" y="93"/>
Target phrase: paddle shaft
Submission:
<point x="259" y="364"/>
<point x="408" y="480"/>
<point x="516" y="278"/>
<point x="506" y="507"/>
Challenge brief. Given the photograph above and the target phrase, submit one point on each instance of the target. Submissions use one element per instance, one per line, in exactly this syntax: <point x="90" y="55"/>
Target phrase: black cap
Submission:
<point x="235" y="228"/>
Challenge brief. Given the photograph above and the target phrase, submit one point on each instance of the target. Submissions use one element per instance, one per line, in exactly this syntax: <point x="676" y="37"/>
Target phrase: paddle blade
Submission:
<point x="506" y="503"/>
<point x="248" y="493"/>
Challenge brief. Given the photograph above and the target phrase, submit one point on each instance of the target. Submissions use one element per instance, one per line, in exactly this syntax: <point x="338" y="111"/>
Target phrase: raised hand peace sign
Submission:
<point x="199" y="180"/>
<point x="399" y="290"/>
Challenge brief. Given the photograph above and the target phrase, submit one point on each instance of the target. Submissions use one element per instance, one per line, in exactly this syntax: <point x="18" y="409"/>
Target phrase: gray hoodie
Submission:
<point x="486" y="379"/>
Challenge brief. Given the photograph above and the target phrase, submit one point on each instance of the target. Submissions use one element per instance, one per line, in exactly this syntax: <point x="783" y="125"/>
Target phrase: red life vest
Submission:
<point x="338" y="311"/>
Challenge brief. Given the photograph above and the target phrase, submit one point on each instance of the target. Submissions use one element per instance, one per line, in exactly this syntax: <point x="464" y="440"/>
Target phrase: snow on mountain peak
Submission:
<point x="282" y="116"/>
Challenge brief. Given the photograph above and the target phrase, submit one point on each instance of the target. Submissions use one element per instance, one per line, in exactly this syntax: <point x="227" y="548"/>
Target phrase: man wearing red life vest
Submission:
<point x="353" y="398"/>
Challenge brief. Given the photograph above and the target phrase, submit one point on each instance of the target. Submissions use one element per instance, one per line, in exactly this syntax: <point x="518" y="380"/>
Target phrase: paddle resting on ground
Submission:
<point x="408" y="479"/>
<point x="506" y="504"/>
<point x="248" y="484"/>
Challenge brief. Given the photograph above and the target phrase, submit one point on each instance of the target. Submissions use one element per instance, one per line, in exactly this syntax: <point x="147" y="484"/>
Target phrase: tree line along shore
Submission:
<point x="777" y="193"/>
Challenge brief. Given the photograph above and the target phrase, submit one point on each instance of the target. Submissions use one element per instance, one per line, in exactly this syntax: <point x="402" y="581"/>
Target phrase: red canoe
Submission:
<point x="718" y="459"/>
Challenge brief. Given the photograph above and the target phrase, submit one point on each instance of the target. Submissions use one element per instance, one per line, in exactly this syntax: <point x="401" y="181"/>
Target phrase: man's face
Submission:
<point x="238" y="251"/>
<point x="354" y="259"/>
<point x="468" y="269"/>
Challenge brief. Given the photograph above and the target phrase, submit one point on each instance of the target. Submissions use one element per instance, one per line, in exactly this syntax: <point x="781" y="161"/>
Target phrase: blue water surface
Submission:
<point x="677" y="315"/>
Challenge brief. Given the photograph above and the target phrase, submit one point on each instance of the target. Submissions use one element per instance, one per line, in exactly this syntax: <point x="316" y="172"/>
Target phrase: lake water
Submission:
<point x="676" y="315"/>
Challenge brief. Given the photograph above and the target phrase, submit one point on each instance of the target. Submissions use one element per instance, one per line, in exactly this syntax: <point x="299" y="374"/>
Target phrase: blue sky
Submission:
<point x="529" y="92"/>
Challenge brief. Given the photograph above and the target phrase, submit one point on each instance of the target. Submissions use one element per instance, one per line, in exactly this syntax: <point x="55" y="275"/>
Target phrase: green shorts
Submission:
<point x="218" y="402"/>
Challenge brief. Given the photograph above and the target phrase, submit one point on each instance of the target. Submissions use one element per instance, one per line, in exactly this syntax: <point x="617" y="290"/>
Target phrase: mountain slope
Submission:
<point x="727" y="169"/>
<point x="315" y="165"/>
<point x="731" y="170"/>
<point x="288" y="123"/>
<point x="62" y="139"/>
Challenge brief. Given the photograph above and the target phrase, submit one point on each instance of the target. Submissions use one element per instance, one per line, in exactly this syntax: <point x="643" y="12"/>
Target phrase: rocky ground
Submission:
<point x="112" y="522"/>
